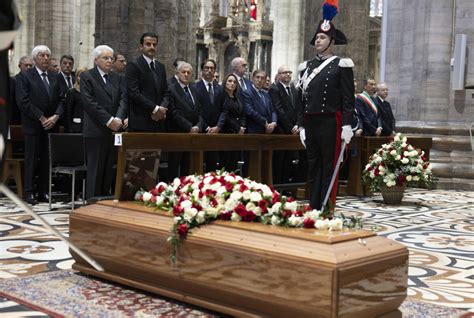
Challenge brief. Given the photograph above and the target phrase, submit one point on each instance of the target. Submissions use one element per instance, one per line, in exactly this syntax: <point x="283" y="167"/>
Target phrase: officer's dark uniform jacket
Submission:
<point x="329" y="91"/>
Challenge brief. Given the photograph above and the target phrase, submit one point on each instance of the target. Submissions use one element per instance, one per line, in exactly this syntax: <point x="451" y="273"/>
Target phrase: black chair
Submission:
<point x="66" y="155"/>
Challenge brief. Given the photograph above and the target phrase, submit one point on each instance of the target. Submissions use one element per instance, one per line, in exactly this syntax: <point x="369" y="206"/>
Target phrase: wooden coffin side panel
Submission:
<point x="220" y="266"/>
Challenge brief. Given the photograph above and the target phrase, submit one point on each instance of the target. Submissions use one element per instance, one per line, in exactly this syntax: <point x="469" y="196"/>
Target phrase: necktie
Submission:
<point x="242" y="84"/>
<point x="106" y="78"/>
<point x="288" y="90"/>
<point x="68" y="81"/>
<point x="152" y="66"/>
<point x="46" y="83"/>
<point x="188" y="95"/>
<point x="211" y="92"/>
<point x="108" y="86"/>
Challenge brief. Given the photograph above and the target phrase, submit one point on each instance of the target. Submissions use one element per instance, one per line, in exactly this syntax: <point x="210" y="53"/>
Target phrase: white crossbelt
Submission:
<point x="307" y="79"/>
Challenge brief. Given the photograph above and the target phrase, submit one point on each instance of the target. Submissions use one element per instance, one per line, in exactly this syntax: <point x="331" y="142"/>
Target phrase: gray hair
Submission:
<point x="182" y="65"/>
<point x="40" y="49"/>
<point x="24" y="58"/>
<point x="98" y="50"/>
<point x="236" y="63"/>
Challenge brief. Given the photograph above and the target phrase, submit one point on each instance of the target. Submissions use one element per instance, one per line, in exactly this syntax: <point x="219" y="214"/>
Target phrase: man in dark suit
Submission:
<point x="210" y="96"/>
<point x="24" y="64"/>
<point x="239" y="68"/>
<point x="368" y="111"/>
<point x="282" y="94"/>
<point x="386" y="114"/>
<point x="147" y="88"/>
<point x="261" y="117"/>
<point x="105" y="104"/>
<point x="66" y="77"/>
<point x="185" y="117"/>
<point x="38" y="97"/>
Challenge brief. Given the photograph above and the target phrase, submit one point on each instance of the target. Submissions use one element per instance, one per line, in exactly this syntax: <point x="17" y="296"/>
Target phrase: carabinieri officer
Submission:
<point x="325" y="106"/>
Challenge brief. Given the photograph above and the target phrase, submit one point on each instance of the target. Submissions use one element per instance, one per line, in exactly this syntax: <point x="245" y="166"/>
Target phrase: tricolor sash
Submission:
<point x="368" y="100"/>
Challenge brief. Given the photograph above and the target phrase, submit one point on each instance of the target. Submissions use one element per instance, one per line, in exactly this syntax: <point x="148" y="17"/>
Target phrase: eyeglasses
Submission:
<point x="107" y="58"/>
<point x="287" y="72"/>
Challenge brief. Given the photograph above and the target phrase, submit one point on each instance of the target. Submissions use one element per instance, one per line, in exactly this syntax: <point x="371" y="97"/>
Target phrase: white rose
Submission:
<point x="398" y="157"/>
<point x="186" y="204"/>
<point x="215" y="186"/>
<point x="221" y="191"/>
<point x="177" y="219"/>
<point x="292" y="206"/>
<point x="236" y="195"/>
<point x="255" y="196"/>
<point x="250" y="206"/>
<point x="275" y="220"/>
<point x="229" y="178"/>
<point x="428" y="169"/>
<point x="161" y="184"/>
<point x="208" y="179"/>
<point x="404" y="139"/>
<point x="196" y="194"/>
<point x="159" y="200"/>
<point x="235" y="217"/>
<point x="147" y="196"/>
<point x="313" y="214"/>
<point x="406" y="153"/>
<point x="378" y="160"/>
<point x="267" y="192"/>
<point x="393" y="152"/>
<point x="409" y="178"/>
<point x="257" y="210"/>
<point x="321" y="224"/>
<point x="371" y="175"/>
<point x="335" y="225"/>
<point x="201" y="217"/>
<point x="404" y="144"/>
<point x="416" y="178"/>
<point x="230" y="204"/>
<point x="397" y="137"/>
<point x="246" y="195"/>
<point x="176" y="183"/>
<point x="295" y="221"/>
<point x="189" y="214"/>
<point x="276" y="207"/>
<point x="405" y="160"/>
<point x="367" y="166"/>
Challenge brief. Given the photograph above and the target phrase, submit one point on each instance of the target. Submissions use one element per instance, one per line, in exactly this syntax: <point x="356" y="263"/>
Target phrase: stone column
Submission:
<point x="419" y="50"/>
<point x="288" y="38"/>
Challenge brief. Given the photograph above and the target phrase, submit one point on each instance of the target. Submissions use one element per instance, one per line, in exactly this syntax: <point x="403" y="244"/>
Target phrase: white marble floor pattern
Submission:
<point x="436" y="226"/>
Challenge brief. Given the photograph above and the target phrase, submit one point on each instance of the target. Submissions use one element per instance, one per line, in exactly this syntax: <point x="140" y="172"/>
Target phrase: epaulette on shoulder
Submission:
<point x="302" y="66"/>
<point x="346" y="62"/>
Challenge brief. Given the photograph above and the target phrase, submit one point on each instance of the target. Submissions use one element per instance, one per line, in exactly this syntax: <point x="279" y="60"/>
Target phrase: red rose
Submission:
<point x="243" y="187"/>
<point x="308" y="208"/>
<point x="153" y="199"/>
<point x="240" y="209"/>
<point x="183" y="230"/>
<point x="200" y="195"/>
<point x="275" y="198"/>
<point x="291" y="199"/>
<point x="226" y="215"/>
<point x="178" y="210"/>
<point x="213" y="202"/>
<point x="308" y="223"/>
<point x="401" y="180"/>
<point x="262" y="204"/>
<point x="298" y="213"/>
<point x="201" y="185"/>
<point x="376" y="172"/>
<point x="197" y="206"/>
<point x="249" y="216"/>
<point x="154" y="191"/>
<point x="229" y="186"/>
<point x="286" y="214"/>
<point x="161" y="188"/>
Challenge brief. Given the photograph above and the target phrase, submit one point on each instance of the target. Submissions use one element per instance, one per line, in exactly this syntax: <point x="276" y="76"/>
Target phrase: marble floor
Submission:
<point x="436" y="226"/>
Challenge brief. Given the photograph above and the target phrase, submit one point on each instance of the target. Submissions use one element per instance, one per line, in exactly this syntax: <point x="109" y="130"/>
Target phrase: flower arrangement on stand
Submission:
<point x="394" y="166"/>
<point x="195" y="200"/>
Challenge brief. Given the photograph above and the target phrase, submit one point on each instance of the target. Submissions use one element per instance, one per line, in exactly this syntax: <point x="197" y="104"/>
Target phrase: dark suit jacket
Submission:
<point x="15" y="113"/>
<point x="370" y="120"/>
<point x="386" y="115"/>
<point x="34" y="101"/>
<point x="101" y="103"/>
<point x="240" y="92"/>
<point x="145" y="91"/>
<point x="284" y="106"/>
<point x="258" y="112"/>
<point x="184" y="115"/>
<point x="73" y="112"/>
<point x="62" y="82"/>
<point x="213" y="112"/>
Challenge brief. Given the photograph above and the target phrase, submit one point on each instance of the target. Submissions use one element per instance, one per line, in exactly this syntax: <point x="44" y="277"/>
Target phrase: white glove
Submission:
<point x="347" y="133"/>
<point x="303" y="137"/>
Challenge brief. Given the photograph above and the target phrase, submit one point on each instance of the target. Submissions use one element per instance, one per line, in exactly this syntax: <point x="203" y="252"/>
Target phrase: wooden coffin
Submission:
<point x="245" y="269"/>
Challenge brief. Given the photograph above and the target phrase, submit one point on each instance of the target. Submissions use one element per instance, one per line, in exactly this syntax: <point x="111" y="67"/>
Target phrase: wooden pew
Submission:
<point x="260" y="148"/>
<point x="365" y="147"/>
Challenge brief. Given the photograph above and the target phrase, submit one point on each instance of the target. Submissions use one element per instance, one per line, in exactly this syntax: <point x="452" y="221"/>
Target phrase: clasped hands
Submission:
<point x="270" y="127"/>
<point x="160" y="114"/>
<point x="49" y="122"/>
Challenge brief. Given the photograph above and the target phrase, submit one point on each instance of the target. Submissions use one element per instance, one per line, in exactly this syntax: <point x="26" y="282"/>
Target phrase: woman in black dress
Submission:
<point x="235" y="121"/>
<point x="74" y="112"/>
